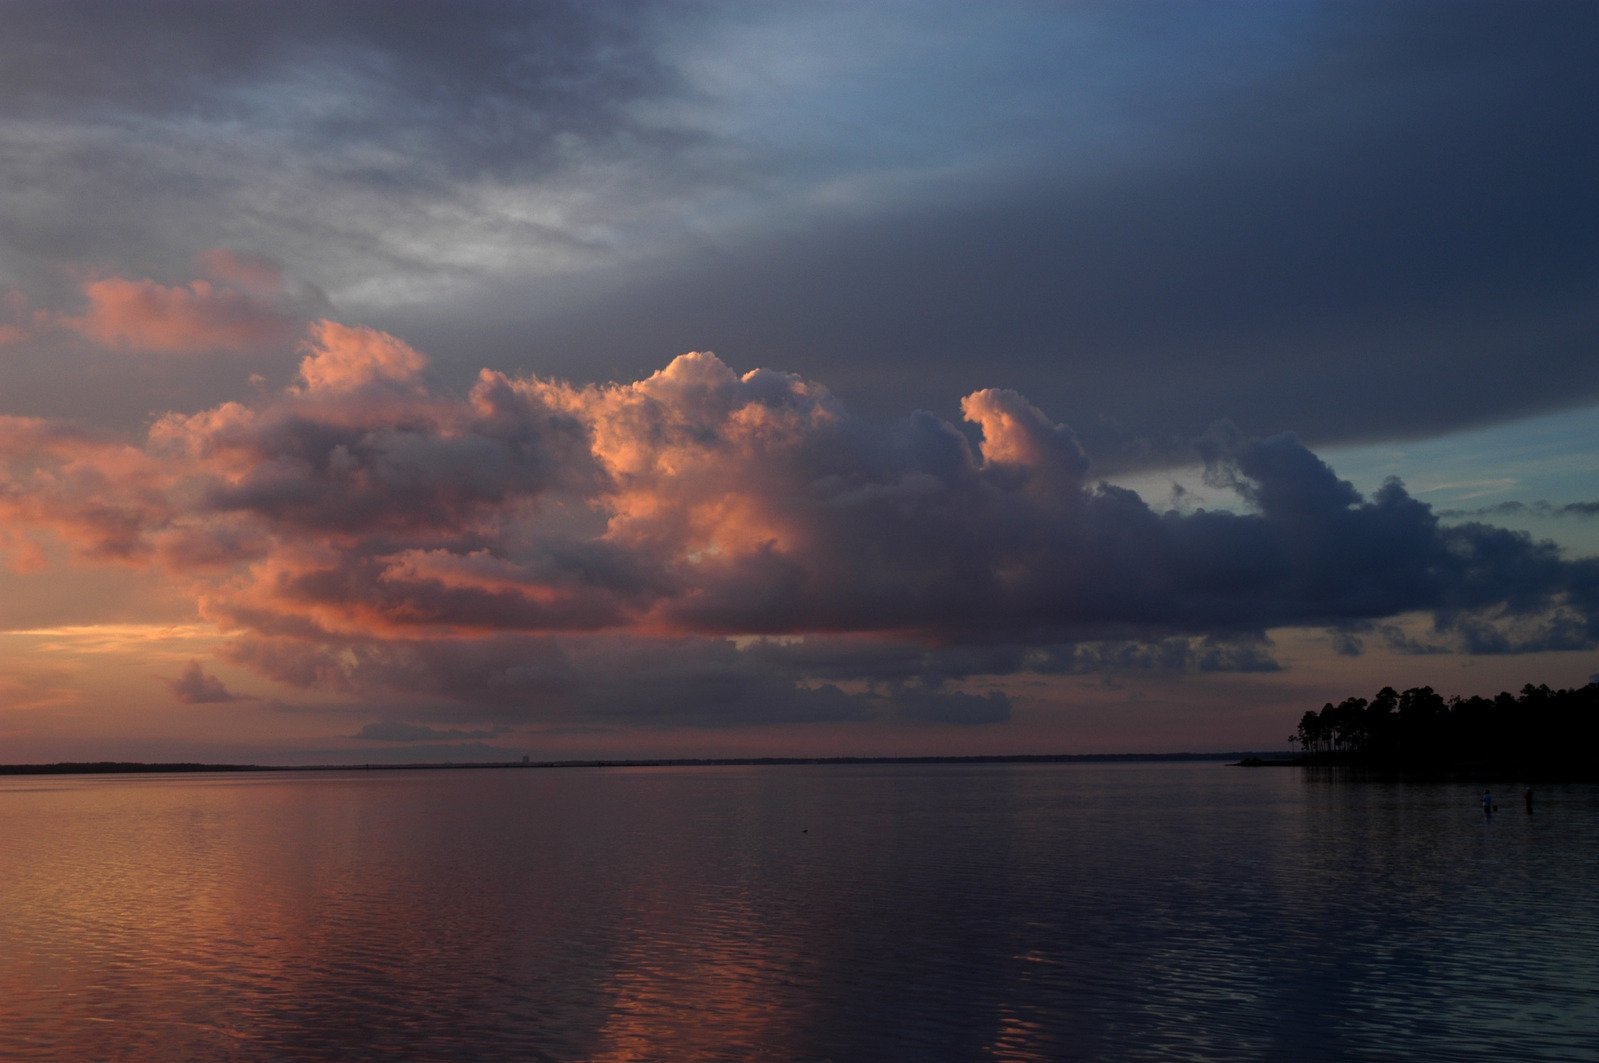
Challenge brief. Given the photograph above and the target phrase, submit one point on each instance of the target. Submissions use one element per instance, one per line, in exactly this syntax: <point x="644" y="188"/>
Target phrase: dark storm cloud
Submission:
<point x="1247" y="652"/>
<point x="1368" y="559"/>
<point x="357" y="141"/>
<point x="1349" y="640"/>
<point x="1344" y="220"/>
<point x="1382" y="227"/>
<point x="906" y="663"/>
<point x="467" y="87"/>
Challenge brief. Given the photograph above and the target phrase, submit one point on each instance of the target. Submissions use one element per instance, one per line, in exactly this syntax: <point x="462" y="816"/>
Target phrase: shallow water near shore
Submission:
<point x="1185" y="911"/>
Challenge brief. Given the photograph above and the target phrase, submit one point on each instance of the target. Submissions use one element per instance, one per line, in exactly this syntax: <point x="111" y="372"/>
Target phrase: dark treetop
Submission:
<point x="1538" y="733"/>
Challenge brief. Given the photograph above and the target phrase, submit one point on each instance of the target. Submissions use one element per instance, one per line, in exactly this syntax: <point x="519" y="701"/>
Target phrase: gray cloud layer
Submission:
<point x="1345" y="220"/>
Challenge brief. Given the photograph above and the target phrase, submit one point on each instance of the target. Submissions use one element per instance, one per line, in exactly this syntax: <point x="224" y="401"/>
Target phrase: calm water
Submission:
<point x="1144" y="911"/>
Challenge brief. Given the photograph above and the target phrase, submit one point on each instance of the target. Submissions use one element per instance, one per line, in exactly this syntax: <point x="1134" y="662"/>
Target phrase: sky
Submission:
<point x="417" y="381"/>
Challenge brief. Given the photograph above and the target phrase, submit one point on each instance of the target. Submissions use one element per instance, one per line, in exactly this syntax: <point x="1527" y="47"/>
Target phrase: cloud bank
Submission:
<point x="1391" y="200"/>
<point x="713" y="547"/>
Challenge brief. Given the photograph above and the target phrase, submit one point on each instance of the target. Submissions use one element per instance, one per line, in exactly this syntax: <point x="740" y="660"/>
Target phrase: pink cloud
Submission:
<point x="142" y="315"/>
<point x="18" y="318"/>
<point x="104" y="497"/>
<point x="242" y="270"/>
<point x="1015" y="432"/>
<point x="343" y="357"/>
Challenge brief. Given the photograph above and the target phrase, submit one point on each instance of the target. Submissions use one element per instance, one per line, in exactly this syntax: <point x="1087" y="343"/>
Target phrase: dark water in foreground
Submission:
<point x="1143" y="911"/>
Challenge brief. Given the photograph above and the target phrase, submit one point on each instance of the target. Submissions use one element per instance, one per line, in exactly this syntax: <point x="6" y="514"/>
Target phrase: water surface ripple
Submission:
<point x="818" y="912"/>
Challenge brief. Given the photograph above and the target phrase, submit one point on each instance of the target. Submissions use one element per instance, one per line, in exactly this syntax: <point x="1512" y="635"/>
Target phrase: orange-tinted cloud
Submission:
<point x="359" y="531"/>
<point x="341" y="357"/>
<point x="102" y="496"/>
<point x="142" y="315"/>
<point x="18" y="318"/>
<point x="240" y="302"/>
<point x="1016" y="433"/>
<point x="247" y="272"/>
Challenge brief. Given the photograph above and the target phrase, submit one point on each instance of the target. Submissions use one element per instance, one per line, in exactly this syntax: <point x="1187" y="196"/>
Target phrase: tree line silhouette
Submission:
<point x="1539" y="731"/>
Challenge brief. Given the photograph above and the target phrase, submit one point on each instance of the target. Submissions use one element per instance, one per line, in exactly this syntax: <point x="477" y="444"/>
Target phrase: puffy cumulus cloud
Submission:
<point x="602" y="552"/>
<point x="1016" y="434"/>
<point x="341" y="358"/>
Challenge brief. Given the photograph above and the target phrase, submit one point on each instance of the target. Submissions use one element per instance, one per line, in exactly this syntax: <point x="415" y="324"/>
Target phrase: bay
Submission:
<point x="1170" y="911"/>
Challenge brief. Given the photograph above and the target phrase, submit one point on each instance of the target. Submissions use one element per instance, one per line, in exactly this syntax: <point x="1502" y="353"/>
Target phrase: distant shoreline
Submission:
<point x="1455" y="771"/>
<point x="111" y="767"/>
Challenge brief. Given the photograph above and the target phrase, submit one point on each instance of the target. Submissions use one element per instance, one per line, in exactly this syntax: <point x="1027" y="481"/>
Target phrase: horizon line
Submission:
<point x="110" y="767"/>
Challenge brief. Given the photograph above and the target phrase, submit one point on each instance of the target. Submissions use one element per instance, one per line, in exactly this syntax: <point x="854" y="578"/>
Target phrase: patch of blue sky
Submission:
<point x="1530" y="474"/>
<point x="1521" y="474"/>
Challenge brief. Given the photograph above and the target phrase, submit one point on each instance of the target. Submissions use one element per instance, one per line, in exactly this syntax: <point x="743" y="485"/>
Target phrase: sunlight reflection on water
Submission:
<point x="1023" y="912"/>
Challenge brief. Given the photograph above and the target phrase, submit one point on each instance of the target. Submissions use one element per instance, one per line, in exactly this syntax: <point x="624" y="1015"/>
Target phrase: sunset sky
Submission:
<point x="458" y="381"/>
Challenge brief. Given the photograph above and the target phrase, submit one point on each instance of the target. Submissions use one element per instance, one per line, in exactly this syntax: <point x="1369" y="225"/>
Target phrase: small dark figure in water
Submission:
<point x="1528" y="797"/>
<point x="1487" y="803"/>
